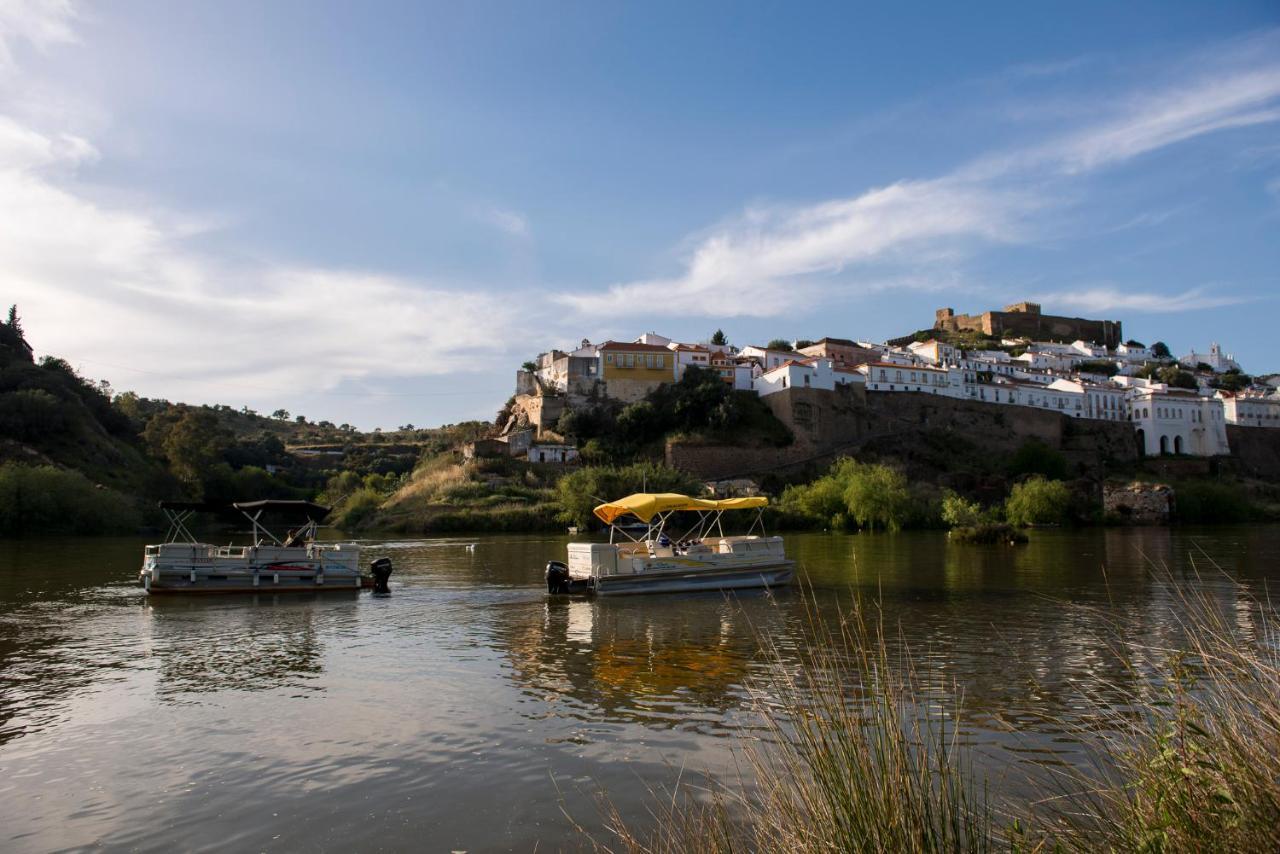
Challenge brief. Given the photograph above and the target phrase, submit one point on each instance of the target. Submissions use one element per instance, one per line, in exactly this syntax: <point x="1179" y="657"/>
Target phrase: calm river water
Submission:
<point x="467" y="710"/>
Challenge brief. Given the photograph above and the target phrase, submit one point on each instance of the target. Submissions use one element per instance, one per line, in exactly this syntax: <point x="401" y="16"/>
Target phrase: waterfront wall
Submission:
<point x="922" y="431"/>
<point x="1255" y="451"/>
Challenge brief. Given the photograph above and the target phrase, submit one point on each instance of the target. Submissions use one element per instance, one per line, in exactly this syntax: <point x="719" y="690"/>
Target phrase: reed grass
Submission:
<point x="849" y="753"/>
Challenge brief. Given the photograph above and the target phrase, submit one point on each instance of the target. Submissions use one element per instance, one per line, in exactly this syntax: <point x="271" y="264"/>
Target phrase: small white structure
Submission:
<point x="1134" y="353"/>
<point x="550" y="452"/>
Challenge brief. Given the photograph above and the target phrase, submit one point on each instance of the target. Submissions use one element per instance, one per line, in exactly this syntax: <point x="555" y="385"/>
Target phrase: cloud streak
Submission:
<point x="1103" y="299"/>
<point x="767" y="259"/>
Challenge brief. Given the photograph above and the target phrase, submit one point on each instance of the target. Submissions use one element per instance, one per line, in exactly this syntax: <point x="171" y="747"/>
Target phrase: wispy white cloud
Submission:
<point x="1107" y="298"/>
<point x="760" y="264"/>
<point x="119" y="284"/>
<point x="769" y="259"/>
<point x="512" y="223"/>
<point x="40" y="23"/>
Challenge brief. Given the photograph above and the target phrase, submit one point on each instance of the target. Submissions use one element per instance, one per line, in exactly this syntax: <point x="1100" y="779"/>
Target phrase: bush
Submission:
<point x="580" y="491"/>
<point x="1207" y="501"/>
<point x="358" y="507"/>
<point x="863" y="495"/>
<point x="1038" y="502"/>
<point x="49" y="500"/>
<point x="958" y="512"/>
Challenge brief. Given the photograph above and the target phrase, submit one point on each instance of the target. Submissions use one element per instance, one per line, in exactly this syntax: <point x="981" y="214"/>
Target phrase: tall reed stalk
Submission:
<point x="850" y="754"/>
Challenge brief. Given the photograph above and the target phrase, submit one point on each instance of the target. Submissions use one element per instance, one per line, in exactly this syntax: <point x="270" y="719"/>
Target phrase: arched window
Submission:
<point x="1177" y="444"/>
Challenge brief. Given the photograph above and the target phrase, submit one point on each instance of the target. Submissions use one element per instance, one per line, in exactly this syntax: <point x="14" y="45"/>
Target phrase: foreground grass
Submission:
<point x="854" y="756"/>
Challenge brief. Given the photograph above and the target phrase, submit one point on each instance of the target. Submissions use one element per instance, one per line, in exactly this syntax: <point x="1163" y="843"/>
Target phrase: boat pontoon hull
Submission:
<point x="684" y="581"/>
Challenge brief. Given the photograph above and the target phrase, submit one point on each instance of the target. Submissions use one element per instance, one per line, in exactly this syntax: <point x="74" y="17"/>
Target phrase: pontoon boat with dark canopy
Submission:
<point x="270" y="564"/>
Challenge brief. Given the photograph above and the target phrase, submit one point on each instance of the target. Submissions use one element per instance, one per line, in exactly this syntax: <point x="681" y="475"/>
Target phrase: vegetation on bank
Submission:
<point x="700" y="405"/>
<point x="858" y="755"/>
<point x="48" y="500"/>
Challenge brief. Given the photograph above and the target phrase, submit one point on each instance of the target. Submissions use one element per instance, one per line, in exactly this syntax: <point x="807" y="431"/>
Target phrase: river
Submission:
<point x="467" y="711"/>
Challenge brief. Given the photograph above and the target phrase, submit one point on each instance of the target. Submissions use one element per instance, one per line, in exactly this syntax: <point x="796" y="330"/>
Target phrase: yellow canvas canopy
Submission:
<point x="646" y="505"/>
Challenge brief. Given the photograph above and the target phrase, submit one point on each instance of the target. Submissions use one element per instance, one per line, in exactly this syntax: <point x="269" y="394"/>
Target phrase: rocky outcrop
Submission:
<point x="1138" y="503"/>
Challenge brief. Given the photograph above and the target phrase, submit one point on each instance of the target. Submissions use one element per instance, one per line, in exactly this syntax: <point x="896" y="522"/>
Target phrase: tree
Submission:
<point x="1135" y="344"/>
<point x="14" y="324"/>
<point x="529" y="366"/>
<point x="718" y="339"/>
<point x="300" y="419"/>
<point x="192" y="441"/>
<point x="778" y="344"/>
<point x="281" y="414"/>
<point x="802" y="343"/>
<point x="1038" y="502"/>
<point x="1161" y="350"/>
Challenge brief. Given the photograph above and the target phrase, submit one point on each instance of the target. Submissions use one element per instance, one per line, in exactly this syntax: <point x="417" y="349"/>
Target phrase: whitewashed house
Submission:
<point x="1178" y="421"/>
<point x="769" y="359"/>
<point x="1134" y="353"/>
<point x="1251" y="410"/>
<point x="1105" y="402"/>
<point x="892" y="376"/>
<point x="934" y="352"/>
<point x="809" y="373"/>
<point x="686" y="355"/>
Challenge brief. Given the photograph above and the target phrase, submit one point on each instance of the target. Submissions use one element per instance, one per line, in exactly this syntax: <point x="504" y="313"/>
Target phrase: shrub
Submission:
<point x="49" y="500"/>
<point x="1211" y="501"/>
<point x="1038" y="502"/>
<point x="958" y="512"/>
<point x="580" y="491"/>
<point x="866" y="495"/>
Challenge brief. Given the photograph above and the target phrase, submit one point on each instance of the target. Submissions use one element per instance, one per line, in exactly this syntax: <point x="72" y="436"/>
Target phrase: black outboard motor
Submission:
<point x="557" y="577"/>
<point x="381" y="569"/>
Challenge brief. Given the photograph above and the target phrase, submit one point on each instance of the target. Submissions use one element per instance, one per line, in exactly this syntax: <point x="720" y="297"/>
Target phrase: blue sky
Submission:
<point x="374" y="212"/>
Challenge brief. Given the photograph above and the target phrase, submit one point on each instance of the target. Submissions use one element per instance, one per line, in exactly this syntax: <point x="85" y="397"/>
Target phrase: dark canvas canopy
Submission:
<point x="296" y="509"/>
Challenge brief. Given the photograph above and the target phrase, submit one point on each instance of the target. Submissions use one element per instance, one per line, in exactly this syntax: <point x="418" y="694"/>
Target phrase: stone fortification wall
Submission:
<point x="1024" y="320"/>
<point x="1255" y="451"/>
<point x="921" y="430"/>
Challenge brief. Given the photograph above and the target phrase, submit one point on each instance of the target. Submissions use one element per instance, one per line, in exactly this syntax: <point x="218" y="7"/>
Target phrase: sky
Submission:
<point x="374" y="213"/>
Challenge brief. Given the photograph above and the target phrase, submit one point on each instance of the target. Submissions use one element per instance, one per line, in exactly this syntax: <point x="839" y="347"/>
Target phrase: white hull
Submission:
<point x="203" y="568"/>
<point x="728" y="563"/>
<point x="774" y="575"/>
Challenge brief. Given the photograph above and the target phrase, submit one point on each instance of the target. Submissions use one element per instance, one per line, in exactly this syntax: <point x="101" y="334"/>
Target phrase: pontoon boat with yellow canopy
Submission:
<point x="700" y="558"/>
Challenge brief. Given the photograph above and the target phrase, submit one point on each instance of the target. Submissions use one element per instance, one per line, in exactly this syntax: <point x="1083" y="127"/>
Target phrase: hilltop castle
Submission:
<point x="1024" y="320"/>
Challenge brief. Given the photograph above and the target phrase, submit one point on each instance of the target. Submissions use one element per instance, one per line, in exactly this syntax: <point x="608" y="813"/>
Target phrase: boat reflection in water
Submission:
<point x="240" y="643"/>
<point x="684" y="665"/>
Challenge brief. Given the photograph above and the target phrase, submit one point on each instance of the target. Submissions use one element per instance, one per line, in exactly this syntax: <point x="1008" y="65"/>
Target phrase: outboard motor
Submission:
<point x="557" y="577"/>
<point x="381" y="569"/>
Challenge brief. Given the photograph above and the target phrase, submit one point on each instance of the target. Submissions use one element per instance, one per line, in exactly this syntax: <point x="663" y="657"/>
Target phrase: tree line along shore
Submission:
<point x="78" y="457"/>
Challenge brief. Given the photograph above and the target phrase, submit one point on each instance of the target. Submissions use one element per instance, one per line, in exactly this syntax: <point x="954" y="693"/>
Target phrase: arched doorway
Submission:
<point x="1164" y="445"/>
<point x="1141" y="436"/>
<point x="1177" y="444"/>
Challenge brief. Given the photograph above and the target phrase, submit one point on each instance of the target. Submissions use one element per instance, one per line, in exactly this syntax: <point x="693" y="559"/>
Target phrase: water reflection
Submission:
<point x="449" y="705"/>
<point x="207" y="644"/>
<point x="680" y="665"/>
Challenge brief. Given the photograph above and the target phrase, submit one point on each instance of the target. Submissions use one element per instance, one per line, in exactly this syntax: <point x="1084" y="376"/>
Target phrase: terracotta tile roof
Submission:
<point x="634" y="348"/>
